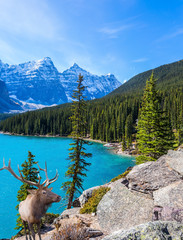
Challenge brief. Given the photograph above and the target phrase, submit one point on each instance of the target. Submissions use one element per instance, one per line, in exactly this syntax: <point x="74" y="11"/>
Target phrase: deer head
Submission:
<point x="45" y="195"/>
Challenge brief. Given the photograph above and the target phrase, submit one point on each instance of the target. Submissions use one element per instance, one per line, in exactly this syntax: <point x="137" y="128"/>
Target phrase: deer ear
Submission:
<point x="50" y="189"/>
<point x="31" y="191"/>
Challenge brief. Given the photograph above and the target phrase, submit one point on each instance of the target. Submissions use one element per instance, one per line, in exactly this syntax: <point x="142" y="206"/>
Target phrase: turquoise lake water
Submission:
<point x="105" y="166"/>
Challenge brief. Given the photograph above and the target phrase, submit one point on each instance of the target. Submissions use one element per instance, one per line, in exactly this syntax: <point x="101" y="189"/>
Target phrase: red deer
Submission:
<point x="37" y="202"/>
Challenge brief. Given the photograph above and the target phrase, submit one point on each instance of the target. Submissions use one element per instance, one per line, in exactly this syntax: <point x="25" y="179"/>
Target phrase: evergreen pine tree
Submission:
<point x="77" y="155"/>
<point x="154" y="132"/>
<point x="123" y="143"/>
<point x="30" y="173"/>
<point x="128" y="131"/>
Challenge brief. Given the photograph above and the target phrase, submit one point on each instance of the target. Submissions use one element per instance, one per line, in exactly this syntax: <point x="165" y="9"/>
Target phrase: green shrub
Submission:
<point x="91" y="205"/>
<point x="48" y="218"/>
<point x="122" y="175"/>
<point x="142" y="159"/>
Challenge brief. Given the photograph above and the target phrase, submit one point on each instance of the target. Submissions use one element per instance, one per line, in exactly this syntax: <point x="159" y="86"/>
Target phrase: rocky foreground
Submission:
<point x="146" y="204"/>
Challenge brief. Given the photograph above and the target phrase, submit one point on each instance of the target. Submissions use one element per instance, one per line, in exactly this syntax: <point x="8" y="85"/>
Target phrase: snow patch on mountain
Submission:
<point x="96" y="86"/>
<point x="36" y="84"/>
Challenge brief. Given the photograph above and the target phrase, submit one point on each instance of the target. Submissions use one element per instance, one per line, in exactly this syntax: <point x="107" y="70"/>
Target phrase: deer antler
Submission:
<point x="48" y="181"/>
<point x="17" y="177"/>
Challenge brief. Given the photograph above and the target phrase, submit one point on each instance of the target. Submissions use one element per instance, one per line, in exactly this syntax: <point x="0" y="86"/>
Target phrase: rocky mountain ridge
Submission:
<point x="6" y="104"/>
<point x="36" y="84"/>
<point x="97" y="86"/>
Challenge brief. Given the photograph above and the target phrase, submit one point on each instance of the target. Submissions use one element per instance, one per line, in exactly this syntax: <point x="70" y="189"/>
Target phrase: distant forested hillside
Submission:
<point x="168" y="76"/>
<point x="111" y="117"/>
<point x="4" y="116"/>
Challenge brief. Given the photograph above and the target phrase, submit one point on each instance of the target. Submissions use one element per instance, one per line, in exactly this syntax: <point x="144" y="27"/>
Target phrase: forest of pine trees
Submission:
<point x="108" y="119"/>
<point x="113" y="117"/>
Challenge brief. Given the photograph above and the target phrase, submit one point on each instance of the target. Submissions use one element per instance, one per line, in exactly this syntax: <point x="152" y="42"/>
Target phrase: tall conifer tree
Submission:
<point x="29" y="172"/>
<point x="154" y="132"/>
<point x="123" y="145"/>
<point x="128" y="130"/>
<point x="77" y="155"/>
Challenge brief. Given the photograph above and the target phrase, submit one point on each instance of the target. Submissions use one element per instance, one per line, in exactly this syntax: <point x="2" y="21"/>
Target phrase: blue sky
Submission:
<point x="123" y="37"/>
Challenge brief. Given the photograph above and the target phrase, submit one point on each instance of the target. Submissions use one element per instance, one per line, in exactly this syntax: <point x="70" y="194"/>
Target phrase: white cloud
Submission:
<point x="113" y="29"/>
<point x="112" y="32"/>
<point x="139" y="60"/>
<point x="178" y="32"/>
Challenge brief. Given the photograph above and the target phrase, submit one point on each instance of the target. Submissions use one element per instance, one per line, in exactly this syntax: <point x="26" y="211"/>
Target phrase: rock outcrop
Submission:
<point x="170" y="196"/>
<point x="86" y="222"/>
<point x="151" y="230"/>
<point x="150" y="195"/>
<point x="121" y="208"/>
<point x="174" y="160"/>
<point x="151" y="191"/>
<point x="151" y="176"/>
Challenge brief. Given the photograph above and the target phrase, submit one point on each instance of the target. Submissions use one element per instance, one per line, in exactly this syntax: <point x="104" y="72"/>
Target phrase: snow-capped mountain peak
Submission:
<point x="39" y="82"/>
<point x="75" y="66"/>
<point x="45" y="61"/>
<point x="97" y="86"/>
<point x="75" y="69"/>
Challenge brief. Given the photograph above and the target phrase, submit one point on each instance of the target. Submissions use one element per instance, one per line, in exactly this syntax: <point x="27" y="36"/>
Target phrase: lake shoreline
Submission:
<point x="113" y="147"/>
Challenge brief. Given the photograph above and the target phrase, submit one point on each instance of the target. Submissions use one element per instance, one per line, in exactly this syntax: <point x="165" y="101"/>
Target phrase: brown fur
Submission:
<point x="36" y="204"/>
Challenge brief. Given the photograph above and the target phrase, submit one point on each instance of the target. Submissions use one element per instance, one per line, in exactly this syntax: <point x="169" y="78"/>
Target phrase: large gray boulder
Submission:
<point x="122" y="208"/>
<point x="150" y="231"/>
<point x="174" y="160"/>
<point x="151" y="176"/>
<point x="169" y="202"/>
<point x="171" y="196"/>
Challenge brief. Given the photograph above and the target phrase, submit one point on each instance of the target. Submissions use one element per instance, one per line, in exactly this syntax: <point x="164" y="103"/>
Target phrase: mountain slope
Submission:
<point x="6" y="104"/>
<point x="34" y="82"/>
<point x="38" y="83"/>
<point x="97" y="86"/>
<point x="108" y="118"/>
<point x="168" y="76"/>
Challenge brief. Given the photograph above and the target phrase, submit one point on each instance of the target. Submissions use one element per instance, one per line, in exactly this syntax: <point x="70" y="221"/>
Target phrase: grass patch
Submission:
<point x="122" y="175"/>
<point x="91" y="205"/>
<point x="48" y="218"/>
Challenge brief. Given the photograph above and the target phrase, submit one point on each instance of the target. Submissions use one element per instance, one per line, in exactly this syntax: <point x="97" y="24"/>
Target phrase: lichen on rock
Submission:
<point x="150" y="231"/>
